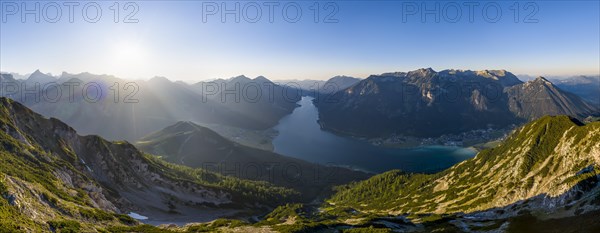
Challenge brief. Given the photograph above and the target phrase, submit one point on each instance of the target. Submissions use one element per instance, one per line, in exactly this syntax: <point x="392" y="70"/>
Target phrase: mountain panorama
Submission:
<point x="427" y="103"/>
<point x="163" y="156"/>
<point x="406" y="103"/>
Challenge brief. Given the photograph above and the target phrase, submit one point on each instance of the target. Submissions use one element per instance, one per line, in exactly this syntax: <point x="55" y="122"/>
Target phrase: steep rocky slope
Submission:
<point x="420" y="103"/>
<point x="48" y="173"/>
<point x="540" y="97"/>
<point x="549" y="164"/>
<point x="426" y="103"/>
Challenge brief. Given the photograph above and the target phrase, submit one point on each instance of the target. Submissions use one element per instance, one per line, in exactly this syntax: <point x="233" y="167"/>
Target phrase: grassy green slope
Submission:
<point x="45" y="185"/>
<point x="545" y="157"/>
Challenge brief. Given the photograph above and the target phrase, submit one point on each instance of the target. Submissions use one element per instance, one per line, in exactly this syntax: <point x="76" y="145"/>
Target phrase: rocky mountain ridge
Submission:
<point x="426" y="103"/>
<point x="49" y="173"/>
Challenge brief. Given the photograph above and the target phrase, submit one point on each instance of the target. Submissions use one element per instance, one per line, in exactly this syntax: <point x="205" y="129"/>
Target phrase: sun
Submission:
<point x="128" y="58"/>
<point x="128" y="53"/>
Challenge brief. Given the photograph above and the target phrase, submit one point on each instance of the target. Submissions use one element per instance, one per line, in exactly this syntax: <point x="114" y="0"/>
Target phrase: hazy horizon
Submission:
<point x="522" y="77"/>
<point x="189" y="43"/>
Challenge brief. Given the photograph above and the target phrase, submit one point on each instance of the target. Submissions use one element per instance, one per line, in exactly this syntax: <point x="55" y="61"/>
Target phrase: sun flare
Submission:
<point x="128" y="52"/>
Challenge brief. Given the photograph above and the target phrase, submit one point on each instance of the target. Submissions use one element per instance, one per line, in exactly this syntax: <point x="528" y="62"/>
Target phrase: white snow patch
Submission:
<point x="137" y="216"/>
<point x="86" y="166"/>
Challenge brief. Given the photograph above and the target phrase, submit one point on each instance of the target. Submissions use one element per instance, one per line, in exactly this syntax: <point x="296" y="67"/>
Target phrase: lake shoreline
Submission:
<point x="301" y="136"/>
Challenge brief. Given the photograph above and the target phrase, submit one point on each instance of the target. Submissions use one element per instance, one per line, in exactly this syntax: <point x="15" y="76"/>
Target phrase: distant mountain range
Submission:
<point x="37" y="77"/>
<point x="586" y="87"/>
<point x="426" y="103"/>
<point x="323" y="88"/>
<point x="258" y="100"/>
<point x="307" y="85"/>
<point x="422" y="103"/>
<point x="128" y="110"/>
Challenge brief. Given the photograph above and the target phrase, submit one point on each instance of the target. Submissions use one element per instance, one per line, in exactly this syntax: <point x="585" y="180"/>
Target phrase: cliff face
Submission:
<point x="426" y="103"/>
<point x="420" y="103"/>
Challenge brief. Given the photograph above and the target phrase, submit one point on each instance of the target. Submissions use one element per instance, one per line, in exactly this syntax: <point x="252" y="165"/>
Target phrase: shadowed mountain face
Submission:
<point x="412" y="103"/>
<point x="47" y="170"/>
<point x="259" y="100"/>
<point x="128" y="110"/>
<point x="540" y="97"/>
<point x="427" y="103"/>
<point x="191" y="145"/>
<point x="37" y="77"/>
<point x="338" y="83"/>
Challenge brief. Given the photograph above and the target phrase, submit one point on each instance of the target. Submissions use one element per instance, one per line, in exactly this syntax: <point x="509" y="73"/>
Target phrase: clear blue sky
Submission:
<point x="370" y="37"/>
